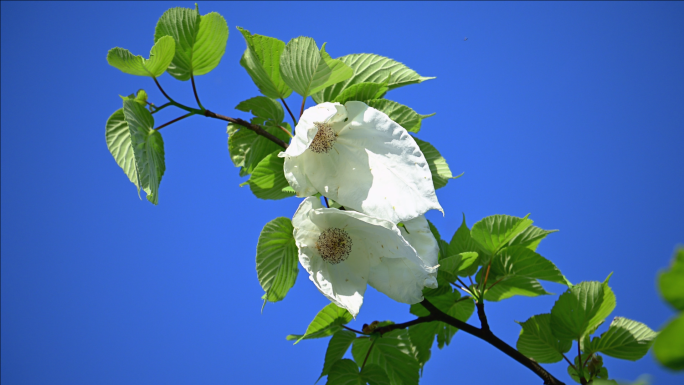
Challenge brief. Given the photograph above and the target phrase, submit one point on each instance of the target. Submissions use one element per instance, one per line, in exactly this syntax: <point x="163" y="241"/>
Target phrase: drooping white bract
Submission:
<point x="345" y="250"/>
<point x="360" y="158"/>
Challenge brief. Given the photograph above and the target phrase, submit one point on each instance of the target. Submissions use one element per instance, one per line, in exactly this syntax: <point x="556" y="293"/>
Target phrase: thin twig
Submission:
<point x="288" y="110"/>
<point x="368" y="354"/>
<point x="352" y="330"/>
<point x="494" y="284"/>
<point x="175" y="120"/>
<point x="484" y="283"/>
<point x="488" y="336"/>
<point x="194" y="89"/>
<point x="579" y="370"/>
<point x="568" y="361"/>
<point x="162" y="90"/>
<point x="326" y="202"/>
<point x="302" y="110"/>
<point x="157" y="109"/>
<point x="286" y="131"/>
<point x="247" y="125"/>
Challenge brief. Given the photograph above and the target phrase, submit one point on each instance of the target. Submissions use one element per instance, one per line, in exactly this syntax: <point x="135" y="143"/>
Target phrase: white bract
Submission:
<point x="345" y="250"/>
<point x="360" y="158"/>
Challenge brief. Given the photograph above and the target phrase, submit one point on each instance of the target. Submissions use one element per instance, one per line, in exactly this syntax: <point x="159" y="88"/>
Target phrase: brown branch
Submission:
<point x="486" y="335"/>
<point x="175" y="120"/>
<point x="288" y="110"/>
<point x="484" y="325"/>
<point x="248" y="125"/>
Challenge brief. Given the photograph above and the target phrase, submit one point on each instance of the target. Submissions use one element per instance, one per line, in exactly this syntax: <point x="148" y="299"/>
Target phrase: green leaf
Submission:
<point x="671" y="282"/>
<point x="538" y="342"/>
<point x="451" y="304"/>
<point x="361" y="92"/>
<point x="399" y="113"/>
<point x="463" y="242"/>
<point x="148" y="148"/>
<point x="438" y="165"/>
<point x="268" y="179"/>
<point x="519" y="261"/>
<point x="530" y="237"/>
<point x="494" y="232"/>
<point x="307" y="70"/>
<point x="337" y="347"/>
<point x="374" y="375"/>
<point x="247" y="148"/>
<point x="160" y="57"/>
<point x="581" y="309"/>
<point x="625" y="339"/>
<point x="422" y="337"/>
<point x="276" y="259"/>
<point x="200" y="40"/>
<point x="454" y="264"/>
<point x="263" y="107"/>
<point x="374" y="69"/>
<point x="328" y="321"/>
<point x="669" y="346"/>
<point x="394" y="353"/>
<point x="527" y="287"/>
<point x="262" y="62"/>
<point x="346" y="372"/>
<point x="119" y="144"/>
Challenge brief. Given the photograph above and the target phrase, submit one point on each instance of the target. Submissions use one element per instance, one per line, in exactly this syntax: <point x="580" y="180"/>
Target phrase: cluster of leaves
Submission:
<point x="278" y="69"/>
<point x="499" y="250"/>
<point x="187" y="44"/>
<point x="669" y="346"/>
<point x="497" y="256"/>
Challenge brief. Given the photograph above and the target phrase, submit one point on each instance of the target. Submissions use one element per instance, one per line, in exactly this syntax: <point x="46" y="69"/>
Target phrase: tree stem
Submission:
<point x="486" y="335"/>
<point x="368" y="354"/>
<point x="302" y="110"/>
<point x="175" y="120"/>
<point x="484" y="325"/>
<point x="288" y="110"/>
<point x="248" y="125"/>
<point x="194" y="89"/>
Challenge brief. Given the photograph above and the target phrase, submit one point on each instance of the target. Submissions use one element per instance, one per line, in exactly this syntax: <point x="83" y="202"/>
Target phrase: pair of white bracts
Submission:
<point x="358" y="157"/>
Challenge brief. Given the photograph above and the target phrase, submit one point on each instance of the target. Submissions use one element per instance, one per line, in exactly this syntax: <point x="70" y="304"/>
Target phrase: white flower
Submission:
<point x="360" y="158"/>
<point x="345" y="250"/>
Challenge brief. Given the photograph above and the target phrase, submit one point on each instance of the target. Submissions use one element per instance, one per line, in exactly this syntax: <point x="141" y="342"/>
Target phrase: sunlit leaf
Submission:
<point x="160" y="57"/>
<point x="200" y="40"/>
<point x="371" y="68"/>
<point x="328" y="321"/>
<point x="307" y="70"/>
<point x="276" y="259"/>
<point x="262" y="62"/>
<point x="538" y="342"/>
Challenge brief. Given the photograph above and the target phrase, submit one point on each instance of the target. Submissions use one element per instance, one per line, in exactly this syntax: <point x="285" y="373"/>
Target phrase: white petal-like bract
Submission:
<point x="344" y="250"/>
<point x="360" y="158"/>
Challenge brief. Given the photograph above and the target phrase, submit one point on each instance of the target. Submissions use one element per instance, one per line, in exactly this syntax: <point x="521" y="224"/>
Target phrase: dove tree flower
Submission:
<point x="343" y="251"/>
<point x="360" y="158"/>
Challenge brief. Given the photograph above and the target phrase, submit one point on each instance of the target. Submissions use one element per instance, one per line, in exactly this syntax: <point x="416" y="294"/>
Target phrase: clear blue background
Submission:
<point x="573" y="112"/>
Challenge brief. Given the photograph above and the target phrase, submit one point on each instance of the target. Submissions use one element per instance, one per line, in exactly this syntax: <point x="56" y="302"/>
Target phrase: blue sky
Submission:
<point x="569" y="111"/>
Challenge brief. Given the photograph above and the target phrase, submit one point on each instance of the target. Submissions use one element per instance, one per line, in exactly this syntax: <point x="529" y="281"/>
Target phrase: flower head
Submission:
<point x="360" y="158"/>
<point x="343" y="251"/>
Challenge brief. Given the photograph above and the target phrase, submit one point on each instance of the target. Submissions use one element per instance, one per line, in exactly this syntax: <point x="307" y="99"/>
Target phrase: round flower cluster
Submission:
<point x="358" y="157"/>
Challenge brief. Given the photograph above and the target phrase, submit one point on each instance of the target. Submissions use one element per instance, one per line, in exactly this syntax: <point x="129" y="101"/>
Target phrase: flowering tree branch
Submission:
<point x="481" y="333"/>
<point x="207" y="113"/>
